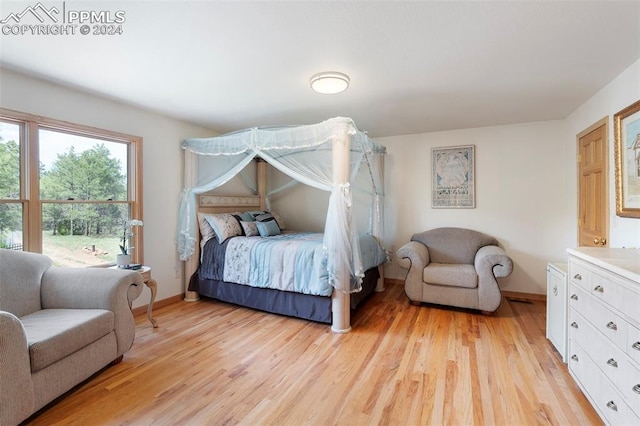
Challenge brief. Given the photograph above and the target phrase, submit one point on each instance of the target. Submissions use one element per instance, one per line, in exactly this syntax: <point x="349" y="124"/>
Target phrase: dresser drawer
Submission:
<point x="578" y="363"/>
<point x="631" y="386"/>
<point x="579" y="299"/>
<point x="606" y="400"/>
<point x="599" y="390"/>
<point x="595" y="312"/>
<point x="610" y="359"/>
<point x="632" y="346"/>
<point x="608" y="290"/>
<point x="579" y="274"/>
<point x="579" y="330"/>
<point x="631" y="303"/>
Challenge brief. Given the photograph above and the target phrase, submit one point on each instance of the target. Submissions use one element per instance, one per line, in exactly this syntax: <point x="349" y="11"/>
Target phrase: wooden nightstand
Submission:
<point x="145" y="271"/>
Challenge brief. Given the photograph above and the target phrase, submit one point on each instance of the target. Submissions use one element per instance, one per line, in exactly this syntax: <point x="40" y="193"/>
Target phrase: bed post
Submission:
<point x="191" y="264"/>
<point x="261" y="178"/>
<point x="340" y="301"/>
<point x="378" y="225"/>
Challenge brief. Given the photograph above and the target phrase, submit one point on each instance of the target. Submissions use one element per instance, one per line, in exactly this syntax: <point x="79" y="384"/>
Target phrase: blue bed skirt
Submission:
<point x="305" y="306"/>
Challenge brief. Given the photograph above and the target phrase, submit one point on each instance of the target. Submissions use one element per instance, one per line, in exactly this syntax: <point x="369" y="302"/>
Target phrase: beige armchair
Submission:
<point x="454" y="267"/>
<point x="58" y="326"/>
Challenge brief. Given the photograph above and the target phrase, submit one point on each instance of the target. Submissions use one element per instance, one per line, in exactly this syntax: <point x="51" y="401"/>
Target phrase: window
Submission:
<point x="67" y="190"/>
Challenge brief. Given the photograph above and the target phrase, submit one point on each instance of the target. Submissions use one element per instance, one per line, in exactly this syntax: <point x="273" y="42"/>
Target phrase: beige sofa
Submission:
<point x="454" y="267"/>
<point x="58" y="326"/>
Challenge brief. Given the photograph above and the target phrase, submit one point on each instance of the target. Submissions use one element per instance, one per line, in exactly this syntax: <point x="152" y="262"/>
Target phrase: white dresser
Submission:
<point x="604" y="330"/>
<point x="557" y="307"/>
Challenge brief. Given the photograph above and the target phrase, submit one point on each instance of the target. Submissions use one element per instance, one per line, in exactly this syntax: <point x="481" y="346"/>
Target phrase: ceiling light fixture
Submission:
<point x="329" y="82"/>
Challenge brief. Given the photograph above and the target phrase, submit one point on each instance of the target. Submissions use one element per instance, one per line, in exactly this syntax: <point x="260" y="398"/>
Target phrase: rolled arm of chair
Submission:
<point x="16" y="388"/>
<point x="95" y="288"/>
<point x="493" y="260"/>
<point x="89" y="288"/>
<point x="413" y="255"/>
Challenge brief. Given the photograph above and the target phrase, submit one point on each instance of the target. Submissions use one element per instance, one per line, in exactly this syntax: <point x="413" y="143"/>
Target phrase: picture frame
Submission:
<point x="453" y="177"/>
<point x="627" y="157"/>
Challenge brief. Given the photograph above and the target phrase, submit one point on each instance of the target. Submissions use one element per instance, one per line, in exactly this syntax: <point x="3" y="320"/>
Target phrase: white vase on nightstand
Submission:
<point x="123" y="260"/>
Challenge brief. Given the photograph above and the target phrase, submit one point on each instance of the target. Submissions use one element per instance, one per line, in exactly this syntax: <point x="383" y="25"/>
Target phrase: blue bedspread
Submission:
<point x="291" y="262"/>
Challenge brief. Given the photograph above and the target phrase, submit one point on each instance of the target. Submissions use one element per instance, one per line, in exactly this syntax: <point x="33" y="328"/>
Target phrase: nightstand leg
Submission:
<point x="153" y="286"/>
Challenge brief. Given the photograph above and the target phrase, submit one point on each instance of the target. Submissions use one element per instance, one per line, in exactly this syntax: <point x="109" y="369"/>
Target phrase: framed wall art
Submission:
<point x="627" y="152"/>
<point x="453" y="181"/>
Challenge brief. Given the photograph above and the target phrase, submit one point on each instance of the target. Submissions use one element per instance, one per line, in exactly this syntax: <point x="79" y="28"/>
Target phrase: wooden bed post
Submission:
<point x="261" y="177"/>
<point x="378" y="227"/>
<point x="340" y="302"/>
<point x="191" y="264"/>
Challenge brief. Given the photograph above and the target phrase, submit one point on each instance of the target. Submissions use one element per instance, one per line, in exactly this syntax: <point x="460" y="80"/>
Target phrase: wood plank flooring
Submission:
<point x="211" y="363"/>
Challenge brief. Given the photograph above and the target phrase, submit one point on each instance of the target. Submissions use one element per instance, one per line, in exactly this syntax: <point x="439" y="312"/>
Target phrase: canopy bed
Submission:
<point x="331" y="156"/>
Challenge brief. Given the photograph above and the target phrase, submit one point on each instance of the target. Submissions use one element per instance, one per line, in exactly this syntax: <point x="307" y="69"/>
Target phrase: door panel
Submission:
<point x="593" y="202"/>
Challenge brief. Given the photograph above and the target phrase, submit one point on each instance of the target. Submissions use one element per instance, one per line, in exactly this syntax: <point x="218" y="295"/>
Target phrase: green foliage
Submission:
<point x="10" y="219"/>
<point x="9" y="170"/>
<point x="90" y="175"/>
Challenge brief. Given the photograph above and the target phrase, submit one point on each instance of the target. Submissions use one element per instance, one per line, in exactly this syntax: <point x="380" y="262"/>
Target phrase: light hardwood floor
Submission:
<point x="217" y="364"/>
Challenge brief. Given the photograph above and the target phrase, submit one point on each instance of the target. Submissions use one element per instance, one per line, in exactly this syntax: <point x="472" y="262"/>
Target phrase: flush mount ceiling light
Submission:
<point x="329" y="82"/>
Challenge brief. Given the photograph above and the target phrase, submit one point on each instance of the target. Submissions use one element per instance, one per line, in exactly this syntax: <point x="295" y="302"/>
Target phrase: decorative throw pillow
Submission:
<point x="268" y="229"/>
<point x="239" y="219"/>
<point x="250" y="228"/>
<point x="279" y="220"/>
<point x="246" y="216"/>
<point x="225" y="226"/>
<point x="265" y="217"/>
<point x="206" y="230"/>
<point x="255" y="213"/>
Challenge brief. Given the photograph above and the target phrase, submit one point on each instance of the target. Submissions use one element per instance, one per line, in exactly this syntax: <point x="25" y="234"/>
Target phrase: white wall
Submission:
<point x="617" y="95"/>
<point x="521" y="178"/>
<point x="162" y="159"/>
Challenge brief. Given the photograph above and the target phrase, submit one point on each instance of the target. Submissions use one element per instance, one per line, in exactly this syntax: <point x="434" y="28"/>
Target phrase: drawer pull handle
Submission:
<point x="612" y="405"/>
<point x="636" y="346"/>
<point x="574" y="296"/>
<point x="612" y="326"/>
<point x="574" y="357"/>
<point x="577" y="276"/>
<point x="612" y="362"/>
<point x="599" y="289"/>
<point x="636" y="388"/>
<point x="574" y="324"/>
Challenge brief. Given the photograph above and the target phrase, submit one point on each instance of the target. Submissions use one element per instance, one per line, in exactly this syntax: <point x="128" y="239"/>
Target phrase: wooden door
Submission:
<point x="593" y="200"/>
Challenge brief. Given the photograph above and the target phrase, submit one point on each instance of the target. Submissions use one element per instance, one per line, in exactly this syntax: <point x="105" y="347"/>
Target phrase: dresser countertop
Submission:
<point x="622" y="261"/>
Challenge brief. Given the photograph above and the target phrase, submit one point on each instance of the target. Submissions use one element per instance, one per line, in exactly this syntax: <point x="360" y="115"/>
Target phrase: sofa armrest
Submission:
<point x="493" y="260"/>
<point x="413" y="255"/>
<point x="89" y="288"/>
<point x="17" y="400"/>
<point x="95" y="288"/>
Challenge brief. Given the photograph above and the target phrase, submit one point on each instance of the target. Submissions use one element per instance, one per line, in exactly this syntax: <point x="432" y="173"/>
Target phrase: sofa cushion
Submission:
<point x="53" y="334"/>
<point x="20" y="277"/>
<point x="451" y="275"/>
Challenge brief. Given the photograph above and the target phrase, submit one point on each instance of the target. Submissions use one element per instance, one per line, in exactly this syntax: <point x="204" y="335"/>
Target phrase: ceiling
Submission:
<point x="414" y="66"/>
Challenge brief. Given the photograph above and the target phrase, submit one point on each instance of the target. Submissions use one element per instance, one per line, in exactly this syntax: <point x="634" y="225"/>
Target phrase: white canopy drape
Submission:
<point x="306" y="154"/>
